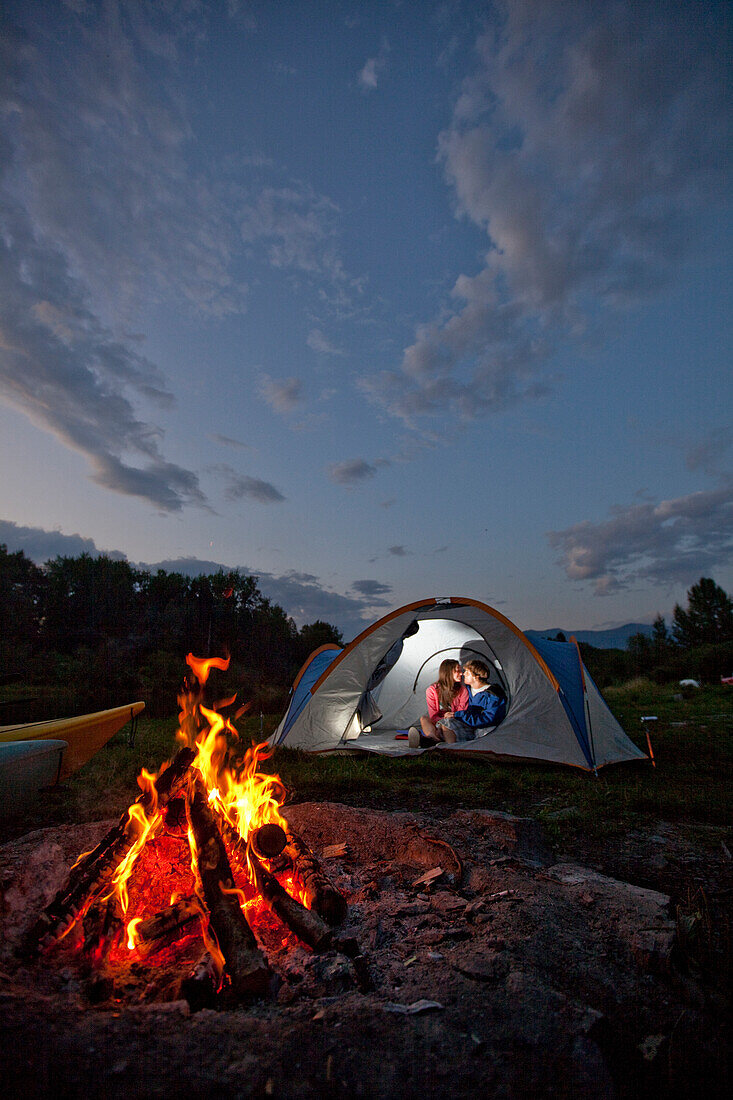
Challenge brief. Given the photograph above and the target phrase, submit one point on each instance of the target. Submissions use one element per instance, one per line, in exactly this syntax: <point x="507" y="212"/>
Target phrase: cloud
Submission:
<point x="588" y="148"/>
<point x="299" y="228"/>
<point x="101" y="212"/>
<point x="68" y="373"/>
<point x="351" y="472"/>
<point x="241" y="486"/>
<point x="302" y="595"/>
<point x="371" y="588"/>
<point x="668" y="542"/>
<point x="369" y="75"/>
<point x="227" y="441"/>
<point x="281" y="395"/>
<point x="318" y="342"/>
<point x="100" y="144"/>
<point x="42" y="546"/>
<point x="398" y="552"/>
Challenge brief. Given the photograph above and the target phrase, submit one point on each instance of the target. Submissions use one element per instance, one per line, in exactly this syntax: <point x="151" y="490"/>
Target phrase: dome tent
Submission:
<point x="359" y="696"/>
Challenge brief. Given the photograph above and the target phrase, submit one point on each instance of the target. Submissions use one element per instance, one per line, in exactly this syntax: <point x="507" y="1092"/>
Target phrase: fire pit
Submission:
<point x="169" y="895"/>
<point x="212" y="964"/>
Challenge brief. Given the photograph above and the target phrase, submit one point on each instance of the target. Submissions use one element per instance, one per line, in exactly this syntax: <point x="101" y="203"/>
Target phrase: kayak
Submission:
<point x="26" y="767"/>
<point x="84" y="735"/>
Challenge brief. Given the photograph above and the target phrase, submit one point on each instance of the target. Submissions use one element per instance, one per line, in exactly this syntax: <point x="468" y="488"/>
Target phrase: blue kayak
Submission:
<point x="26" y="767"/>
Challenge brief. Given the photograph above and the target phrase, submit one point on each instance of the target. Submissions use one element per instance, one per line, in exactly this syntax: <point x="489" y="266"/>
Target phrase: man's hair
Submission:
<point x="478" y="668"/>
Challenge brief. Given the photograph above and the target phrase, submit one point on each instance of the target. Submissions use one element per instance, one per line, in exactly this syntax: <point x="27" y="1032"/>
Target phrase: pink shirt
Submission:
<point x="460" y="702"/>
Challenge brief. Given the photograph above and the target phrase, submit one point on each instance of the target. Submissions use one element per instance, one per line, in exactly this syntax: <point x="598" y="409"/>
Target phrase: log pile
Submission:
<point x="230" y="873"/>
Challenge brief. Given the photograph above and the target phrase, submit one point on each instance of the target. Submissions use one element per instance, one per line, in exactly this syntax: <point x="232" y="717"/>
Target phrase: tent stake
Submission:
<point x="645" y="720"/>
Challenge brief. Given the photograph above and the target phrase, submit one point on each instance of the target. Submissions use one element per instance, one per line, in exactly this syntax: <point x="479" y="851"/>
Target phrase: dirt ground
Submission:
<point x="516" y="971"/>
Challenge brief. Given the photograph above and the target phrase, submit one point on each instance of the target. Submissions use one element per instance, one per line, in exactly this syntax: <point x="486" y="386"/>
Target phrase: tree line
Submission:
<point x="90" y="632"/>
<point x="698" y="644"/>
<point x="104" y="632"/>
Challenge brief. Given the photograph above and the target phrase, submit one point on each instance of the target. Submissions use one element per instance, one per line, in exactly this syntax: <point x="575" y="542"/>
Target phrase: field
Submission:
<point x="692" y="743"/>
<point x="668" y="827"/>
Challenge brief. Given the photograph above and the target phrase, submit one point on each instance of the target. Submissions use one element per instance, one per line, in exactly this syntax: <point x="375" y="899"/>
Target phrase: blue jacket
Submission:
<point x="485" y="709"/>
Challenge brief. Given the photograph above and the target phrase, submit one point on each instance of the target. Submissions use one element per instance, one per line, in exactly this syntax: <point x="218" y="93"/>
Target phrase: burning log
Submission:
<point x="245" y="964"/>
<point x="323" y="896"/>
<point x="200" y="987"/>
<point x="307" y="925"/>
<point x="168" y="920"/>
<point x="89" y="874"/>
<point x="101" y="922"/>
<point x="268" y="841"/>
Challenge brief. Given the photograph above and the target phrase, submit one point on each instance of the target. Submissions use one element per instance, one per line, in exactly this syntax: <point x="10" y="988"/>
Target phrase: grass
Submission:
<point x="692" y="742"/>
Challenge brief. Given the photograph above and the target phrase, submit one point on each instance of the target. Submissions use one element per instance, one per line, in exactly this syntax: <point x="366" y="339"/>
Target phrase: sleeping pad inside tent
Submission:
<point x="360" y="697"/>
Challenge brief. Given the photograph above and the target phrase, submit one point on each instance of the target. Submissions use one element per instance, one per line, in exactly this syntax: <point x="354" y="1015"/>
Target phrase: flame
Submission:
<point x="132" y="935"/>
<point x="241" y="795"/>
<point x="145" y="826"/>
<point x="202" y="666"/>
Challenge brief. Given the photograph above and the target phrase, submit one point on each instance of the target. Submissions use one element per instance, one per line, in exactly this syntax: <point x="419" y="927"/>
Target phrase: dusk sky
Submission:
<point x="376" y="301"/>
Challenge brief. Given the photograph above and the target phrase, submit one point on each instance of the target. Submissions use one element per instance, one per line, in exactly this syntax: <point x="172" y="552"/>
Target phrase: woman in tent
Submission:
<point x="446" y="694"/>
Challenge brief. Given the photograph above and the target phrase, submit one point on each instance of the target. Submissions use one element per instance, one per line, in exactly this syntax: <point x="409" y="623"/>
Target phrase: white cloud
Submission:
<point x="588" y="146"/>
<point x="299" y="228"/>
<point x="317" y="341"/>
<point x="662" y="543"/>
<point x="282" y="395"/>
<point x="100" y="143"/>
<point x="370" y="74"/>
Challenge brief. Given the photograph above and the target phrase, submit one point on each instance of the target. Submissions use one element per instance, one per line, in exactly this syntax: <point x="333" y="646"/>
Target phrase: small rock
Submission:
<point x="485" y="967"/>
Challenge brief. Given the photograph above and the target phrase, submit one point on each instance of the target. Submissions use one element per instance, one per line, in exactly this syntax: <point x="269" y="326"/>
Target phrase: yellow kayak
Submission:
<point x="84" y="735"/>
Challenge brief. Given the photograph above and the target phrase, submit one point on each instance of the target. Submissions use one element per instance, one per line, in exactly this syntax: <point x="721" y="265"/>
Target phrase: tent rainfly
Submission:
<point x="360" y="697"/>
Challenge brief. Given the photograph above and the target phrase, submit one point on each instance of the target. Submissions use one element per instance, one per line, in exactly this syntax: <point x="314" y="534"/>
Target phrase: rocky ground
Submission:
<point x="493" y="965"/>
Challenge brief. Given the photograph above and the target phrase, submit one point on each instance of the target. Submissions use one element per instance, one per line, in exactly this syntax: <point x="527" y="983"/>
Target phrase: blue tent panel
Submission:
<point x="564" y="662"/>
<point x="319" y="663"/>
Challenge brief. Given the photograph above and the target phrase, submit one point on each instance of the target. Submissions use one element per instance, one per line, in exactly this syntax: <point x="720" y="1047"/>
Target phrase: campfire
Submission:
<point x="198" y="874"/>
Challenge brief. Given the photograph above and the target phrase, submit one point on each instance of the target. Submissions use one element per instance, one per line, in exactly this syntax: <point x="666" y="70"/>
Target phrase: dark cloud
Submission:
<point x="240" y="486"/>
<point x="351" y="472"/>
<point x="302" y="595"/>
<point x="590" y="145"/>
<point x="42" y="546"/>
<point x="70" y="376"/>
<point x="99" y="212"/>
<point x="254" y="489"/>
<point x="398" y="551"/>
<point x="371" y="588"/>
<point x="227" y="441"/>
<point x="671" y="542"/>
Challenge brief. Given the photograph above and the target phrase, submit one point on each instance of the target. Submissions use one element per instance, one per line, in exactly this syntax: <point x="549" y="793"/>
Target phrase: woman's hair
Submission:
<point x="448" y="688"/>
<point x="479" y="669"/>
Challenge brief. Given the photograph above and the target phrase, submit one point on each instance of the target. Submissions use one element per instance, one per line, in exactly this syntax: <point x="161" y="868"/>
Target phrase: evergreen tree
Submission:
<point x="708" y="619"/>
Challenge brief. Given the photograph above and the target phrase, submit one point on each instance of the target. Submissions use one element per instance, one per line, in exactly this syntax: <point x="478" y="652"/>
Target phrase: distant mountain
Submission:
<point x="615" y="638"/>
